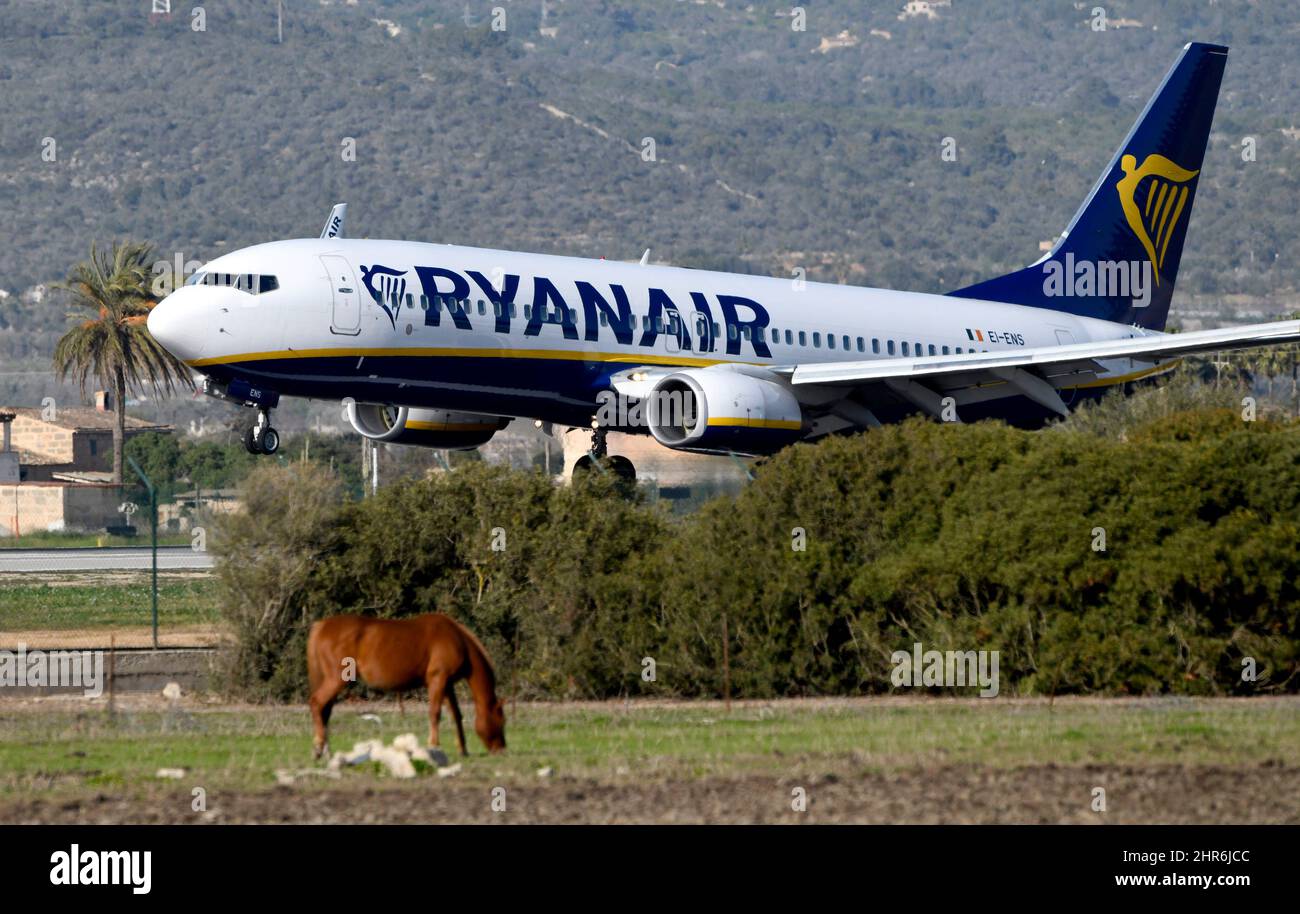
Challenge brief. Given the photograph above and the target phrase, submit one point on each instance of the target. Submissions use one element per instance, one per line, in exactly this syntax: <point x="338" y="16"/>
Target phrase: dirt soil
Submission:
<point x="1267" y="793"/>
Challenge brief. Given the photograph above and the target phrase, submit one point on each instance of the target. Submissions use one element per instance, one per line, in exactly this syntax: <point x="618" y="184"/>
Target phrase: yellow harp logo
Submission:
<point x="1166" y="194"/>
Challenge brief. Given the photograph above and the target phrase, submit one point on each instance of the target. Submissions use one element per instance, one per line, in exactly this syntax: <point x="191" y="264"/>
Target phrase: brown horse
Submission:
<point x="400" y="654"/>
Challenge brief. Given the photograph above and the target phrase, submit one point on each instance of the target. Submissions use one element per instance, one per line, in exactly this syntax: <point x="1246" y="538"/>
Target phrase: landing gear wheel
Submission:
<point x="270" y="442"/>
<point x="260" y="438"/>
<point x="621" y="467"/>
<point x="618" y="466"/>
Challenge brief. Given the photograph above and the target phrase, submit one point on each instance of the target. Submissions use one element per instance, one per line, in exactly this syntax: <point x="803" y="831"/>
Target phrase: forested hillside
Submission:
<point x="773" y="148"/>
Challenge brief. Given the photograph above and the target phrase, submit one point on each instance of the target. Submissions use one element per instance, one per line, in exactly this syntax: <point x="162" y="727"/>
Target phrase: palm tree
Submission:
<point x="111" y="299"/>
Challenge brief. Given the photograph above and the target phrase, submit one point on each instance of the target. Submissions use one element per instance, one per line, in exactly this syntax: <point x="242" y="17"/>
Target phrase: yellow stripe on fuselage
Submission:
<point x="568" y="355"/>
<point x="632" y="358"/>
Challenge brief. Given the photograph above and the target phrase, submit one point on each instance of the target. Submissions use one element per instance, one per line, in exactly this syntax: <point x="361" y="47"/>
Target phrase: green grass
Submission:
<point x="44" y="747"/>
<point x="52" y="540"/>
<point x="92" y="600"/>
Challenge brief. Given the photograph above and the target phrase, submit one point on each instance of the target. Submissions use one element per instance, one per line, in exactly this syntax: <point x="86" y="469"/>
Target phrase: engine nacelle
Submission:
<point x="714" y="411"/>
<point x="438" y="428"/>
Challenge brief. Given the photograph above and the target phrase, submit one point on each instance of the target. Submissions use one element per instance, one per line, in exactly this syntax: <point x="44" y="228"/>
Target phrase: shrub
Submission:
<point x="974" y="537"/>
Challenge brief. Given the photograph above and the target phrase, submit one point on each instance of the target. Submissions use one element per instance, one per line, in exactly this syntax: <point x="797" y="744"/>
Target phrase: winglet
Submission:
<point x="645" y="258"/>
<point x="334" y="224"/>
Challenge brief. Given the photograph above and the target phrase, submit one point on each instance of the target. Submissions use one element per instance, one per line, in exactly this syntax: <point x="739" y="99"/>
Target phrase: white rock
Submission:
<point x="174" y="773"/>
<point x="408" y="743"/>
<point x="172" y="691"/>
<point x="546" y="772"/>
<point x="396" y="761"/>
<point x="449" y="772"/>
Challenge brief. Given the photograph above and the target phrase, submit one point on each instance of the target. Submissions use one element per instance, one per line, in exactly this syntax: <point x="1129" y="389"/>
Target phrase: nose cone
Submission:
<point x="176" y="326"/>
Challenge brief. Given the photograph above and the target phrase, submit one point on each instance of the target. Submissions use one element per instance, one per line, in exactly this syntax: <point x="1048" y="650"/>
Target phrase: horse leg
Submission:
<point x="437" y="683"/>
<point x="455" y="715"/>
<point x="322" y="703"/>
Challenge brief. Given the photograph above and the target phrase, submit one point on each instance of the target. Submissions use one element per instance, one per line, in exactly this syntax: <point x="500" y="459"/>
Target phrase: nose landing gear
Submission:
<point x="262" y="438"/>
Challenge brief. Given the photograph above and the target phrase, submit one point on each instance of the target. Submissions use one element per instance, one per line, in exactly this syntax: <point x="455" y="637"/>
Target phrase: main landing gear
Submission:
<point x="598" y="459"/>
<point x="261" y="438"/>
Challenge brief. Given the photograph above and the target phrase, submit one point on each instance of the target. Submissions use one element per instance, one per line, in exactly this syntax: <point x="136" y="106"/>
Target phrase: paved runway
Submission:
<point x="170" y="558"/>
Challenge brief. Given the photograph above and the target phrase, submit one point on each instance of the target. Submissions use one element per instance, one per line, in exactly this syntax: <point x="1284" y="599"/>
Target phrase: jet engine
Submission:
<point x="714" y="411"/>
<point x="437" y="428"/>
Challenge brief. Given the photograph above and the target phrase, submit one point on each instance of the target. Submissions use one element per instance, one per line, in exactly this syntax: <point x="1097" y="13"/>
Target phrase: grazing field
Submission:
<point x="856" y="760"/>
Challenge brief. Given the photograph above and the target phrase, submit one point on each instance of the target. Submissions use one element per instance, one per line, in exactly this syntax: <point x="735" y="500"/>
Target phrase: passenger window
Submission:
<point x="604" y="319"/>
<point x="890" y="346"/>
<point x="803" y="338"/>
<point x="410" y="301"/>
<point x="875" y="346"/>
<point x="748" y="334"/>
<point x="789" y="338"/>
<point x="830" y="341"/>
<point x="817" y="340"/>
<point x="862" y="346"/>
<point x="905" y="352"/>
<point x="945" y="350"/>
<point x="528" y="312"/>
<point x="932" y="352"/>
<point x="731" y="332"/>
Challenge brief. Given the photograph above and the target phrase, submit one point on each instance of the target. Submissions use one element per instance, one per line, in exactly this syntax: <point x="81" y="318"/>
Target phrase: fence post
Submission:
<point x="153" y="536"/>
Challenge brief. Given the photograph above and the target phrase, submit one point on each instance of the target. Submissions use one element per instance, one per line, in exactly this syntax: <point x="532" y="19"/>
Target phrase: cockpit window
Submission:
<point x="252" y="283"/>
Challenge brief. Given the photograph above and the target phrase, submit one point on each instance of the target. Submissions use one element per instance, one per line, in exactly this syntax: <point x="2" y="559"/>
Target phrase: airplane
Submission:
<point x="441" y="346"/>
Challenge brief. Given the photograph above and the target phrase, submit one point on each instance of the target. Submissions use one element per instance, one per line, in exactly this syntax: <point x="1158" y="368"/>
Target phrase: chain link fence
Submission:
<point x="96" y="566"/>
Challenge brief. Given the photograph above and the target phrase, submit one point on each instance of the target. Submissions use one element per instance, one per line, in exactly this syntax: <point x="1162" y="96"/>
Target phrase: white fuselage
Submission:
<point x="515" y="334"/>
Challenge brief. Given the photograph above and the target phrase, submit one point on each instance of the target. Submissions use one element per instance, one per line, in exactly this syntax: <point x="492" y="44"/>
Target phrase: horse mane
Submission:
<point x="478" y="646"/>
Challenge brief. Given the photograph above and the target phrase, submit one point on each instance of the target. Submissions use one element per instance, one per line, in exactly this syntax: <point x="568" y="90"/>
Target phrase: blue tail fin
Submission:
<point x="1118" y="258"/>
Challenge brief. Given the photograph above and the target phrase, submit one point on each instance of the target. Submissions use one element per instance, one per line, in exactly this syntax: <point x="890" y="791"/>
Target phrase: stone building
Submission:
<point x="56" y="468"/>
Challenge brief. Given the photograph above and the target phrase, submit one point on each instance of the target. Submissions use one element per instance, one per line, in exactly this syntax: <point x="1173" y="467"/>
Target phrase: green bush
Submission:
<point x="976" y="537"/>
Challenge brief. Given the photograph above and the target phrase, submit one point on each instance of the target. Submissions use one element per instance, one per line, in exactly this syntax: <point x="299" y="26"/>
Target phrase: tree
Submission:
<point x="111" y="299"/>
<point x="159" y="455"/>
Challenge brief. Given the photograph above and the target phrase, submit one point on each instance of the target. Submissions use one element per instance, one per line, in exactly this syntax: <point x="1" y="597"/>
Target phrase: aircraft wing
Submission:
<point x="1037" y="372"/>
